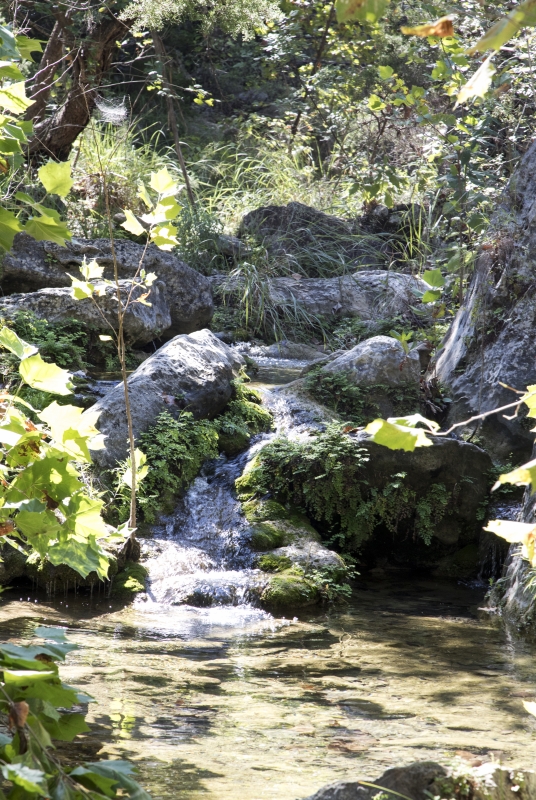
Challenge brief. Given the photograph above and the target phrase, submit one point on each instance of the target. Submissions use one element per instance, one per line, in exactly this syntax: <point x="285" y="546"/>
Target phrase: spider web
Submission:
<point x="113" y="111"/>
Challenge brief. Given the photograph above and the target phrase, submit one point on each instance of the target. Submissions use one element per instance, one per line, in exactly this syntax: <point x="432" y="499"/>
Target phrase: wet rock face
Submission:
<point x="491" y="340"/>
<point x="379" y="360"/>
<point x="190" y="372"/>
<point x="425" y="779"/>
<point x="142" y="323"/>
<point x="32" y="265"/>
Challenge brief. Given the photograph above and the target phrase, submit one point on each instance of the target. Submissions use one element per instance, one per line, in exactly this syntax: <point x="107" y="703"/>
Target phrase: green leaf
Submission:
<point x="503" y="30"/>
<point x="479" y="84"/>
<point x="164" y="237"/>
<point x="13" y="98"/>
<point x="27" y="46"/>
<point x="163" y="183"/>
<point x="15" y="344"/>
<point x="9" y="146"/>
<point x="385" y="73"/>
<point x="121" y="771"/>
<point x="47" y="377"/>
<point x="84" y="557"/>
<point x="40" y="528"/>
<point x="375" y="103"/>
<point x="131" y="224"/>
<point x="360" y="10"/>
<point x="56" y="177"/>
<point x="91" y="271"/>
<point x="71" y="427"/>
<point x="30" y="780"/>
<point x="9" y="227"/>
<point x="431" y="296"/>
<point x="397" y="437"/>
<point x="67" y="727"/>
<point x="92" y="780"/>
<point x="10" y="71"/>
<point x="434" y="278"/>
<point x="8" y="47"/>
<point x="24" y="677"/>
<point x="47" y="229"/>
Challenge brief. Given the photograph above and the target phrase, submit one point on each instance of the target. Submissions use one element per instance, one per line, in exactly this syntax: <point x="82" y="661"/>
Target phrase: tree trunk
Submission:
<point x="91" y="60"/>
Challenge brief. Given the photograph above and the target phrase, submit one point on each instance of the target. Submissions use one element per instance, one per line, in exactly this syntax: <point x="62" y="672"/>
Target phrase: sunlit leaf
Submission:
<point x="27" y="46"/>
<point x="530" y="707"/>
<point x="73" y="428"/>
<point x="503" y="30"/>
<point x="11" y="71"/>
<point x="522" y="476"/>
<point x="360" y="10"/>
<point x="9" y="227"/>
<point x="91" y="271"/>
<point x="431" y="296"/>
<point x="164" y="237"/>
<point x="479" y="83"/>
<point x="131" y="224"/>
<point x="441" y="29"/>
<point x="13" y="98"/>
<point x="56" y="177"/>
<point x="81" y="290"/>
<point x="143" y="194"/>
<point x="397" y="437"/>
<point x="163" y="183"/>
<point x="434" y="278"/>
<point x="15" y="344"/>
<point x="29" y="780"/>
<point x="48" y="377"/>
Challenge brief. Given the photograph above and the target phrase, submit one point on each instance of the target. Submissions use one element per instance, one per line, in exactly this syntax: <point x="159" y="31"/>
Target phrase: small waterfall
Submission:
<point x="200" y="555"/>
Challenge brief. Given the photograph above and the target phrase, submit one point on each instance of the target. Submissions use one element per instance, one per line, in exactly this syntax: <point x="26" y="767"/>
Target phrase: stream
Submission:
<point x="213" y="697"/>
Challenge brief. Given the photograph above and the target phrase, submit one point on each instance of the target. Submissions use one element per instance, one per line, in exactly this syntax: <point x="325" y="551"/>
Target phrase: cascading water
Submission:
<point x="200" y="555"/>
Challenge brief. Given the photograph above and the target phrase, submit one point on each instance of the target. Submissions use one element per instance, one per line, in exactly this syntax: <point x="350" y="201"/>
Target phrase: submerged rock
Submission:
<point x="192" y="372"/>
<point x="32" y="265"/>
<point x="425" y="779"/>
<point x="491" y="341"/>
<point x="142" y="323"/>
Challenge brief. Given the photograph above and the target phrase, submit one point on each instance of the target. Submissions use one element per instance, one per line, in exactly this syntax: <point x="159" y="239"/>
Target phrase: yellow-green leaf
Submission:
<point x="131" y="224"/>
<point x="431" y="296"/>
<point x="434" y="278"/>
<point x="9" y="227"/>
<point x="521" y="476"/>
<point x="81" y="290"/>
<point x="15" y="344"/>
<point x="163" y="183"/>
<point x="397" y="437"/>
<point x="47" y="377"/>
<point x="164" y="237"/>
<point x="503" y="30"/>
<point x="91" y="271"/>
<point x="478" y="85"/>
<point x="48" y="229"/>
<point x="13" y="98"/>
<point x="27" y="46"/>
<point x="72" y="427"/>
<point x="56" y="177"/>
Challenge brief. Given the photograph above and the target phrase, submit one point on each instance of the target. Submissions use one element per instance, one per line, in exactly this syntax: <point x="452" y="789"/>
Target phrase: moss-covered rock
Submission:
<point x="263" y="510"/>
<point x="274" y="563"/>
<point x="289" y="590"/>
<point x="131" y="580"/>
<point x="233" y="443"/>
<point x="267" y="536"/>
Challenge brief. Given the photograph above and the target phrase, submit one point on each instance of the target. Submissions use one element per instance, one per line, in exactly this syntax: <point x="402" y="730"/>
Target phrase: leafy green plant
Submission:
<point x="38" y="708"/>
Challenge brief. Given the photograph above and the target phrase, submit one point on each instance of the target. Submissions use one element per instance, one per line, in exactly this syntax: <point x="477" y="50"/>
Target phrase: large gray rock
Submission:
<point x="457" y="471"/>
<point x="425" y="779"/>
<point x="142" y="323"/>
<point x="491" y="340"/>
<point x="32" y="265"/>
<point x="370" y="295"/>
<point x="192" y="372"/>
<point x="379" y="360"/>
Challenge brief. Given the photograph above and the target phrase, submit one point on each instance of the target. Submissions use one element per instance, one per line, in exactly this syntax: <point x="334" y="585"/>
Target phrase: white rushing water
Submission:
<point x="200" y="555"/>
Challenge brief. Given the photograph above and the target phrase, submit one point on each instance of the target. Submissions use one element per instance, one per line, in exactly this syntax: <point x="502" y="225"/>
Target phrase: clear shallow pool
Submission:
<point x="230" y="703"/>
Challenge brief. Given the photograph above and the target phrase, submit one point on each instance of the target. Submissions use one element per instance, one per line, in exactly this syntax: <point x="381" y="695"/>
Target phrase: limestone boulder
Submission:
<point x="32" y="265"/>
<point x="192" y="372"/>
<point x="380" y="360"/>
<point x="143" y="322"/>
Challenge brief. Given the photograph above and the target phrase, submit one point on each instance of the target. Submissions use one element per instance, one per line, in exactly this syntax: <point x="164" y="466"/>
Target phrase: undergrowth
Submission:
<point x="358" y="403"/>
<point x="327" y="478"/>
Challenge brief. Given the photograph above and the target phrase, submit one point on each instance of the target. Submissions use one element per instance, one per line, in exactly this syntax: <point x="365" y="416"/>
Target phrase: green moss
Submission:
<point x="233" y="443"/>
<point x="131" y="580"/>
<point x="289" y="590"/>
<point x="273" y="563"/>
<point x="267" y="536"/>
<point x="360" y="404"/>
<point x="262" y="510"/>
<point x="243" y="417"/>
